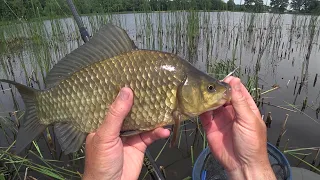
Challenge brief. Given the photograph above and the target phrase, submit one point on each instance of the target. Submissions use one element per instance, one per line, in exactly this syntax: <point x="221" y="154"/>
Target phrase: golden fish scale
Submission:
<point x="83" y="98"/>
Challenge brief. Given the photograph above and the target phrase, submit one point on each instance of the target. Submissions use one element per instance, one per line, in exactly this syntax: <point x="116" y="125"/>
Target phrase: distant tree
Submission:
<point x="312" y="6"/>
<point x="254" y="5"/>
<point x="297" y="5"/>
<point x="174" y="5"/>
<point x="158" y="5"/>
<point x="231" y="5"/>
<point x="193" y="4"/>
<point x="279" y="5"/>
<point x="259" y="7"/>
<point x="134" y="5"/>
<point x="204" y="4"/>
<point x="307" y="6"/>
<point x="83" y="6"/>
<point x="218" y="5"/>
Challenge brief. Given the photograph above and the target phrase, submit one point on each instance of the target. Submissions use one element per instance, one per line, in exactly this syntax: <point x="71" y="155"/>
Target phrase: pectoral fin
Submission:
<point x="176" y="128"/>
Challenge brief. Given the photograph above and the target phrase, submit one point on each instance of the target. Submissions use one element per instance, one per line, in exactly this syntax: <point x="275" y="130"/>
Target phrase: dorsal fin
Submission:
<point x="108" y="42"/>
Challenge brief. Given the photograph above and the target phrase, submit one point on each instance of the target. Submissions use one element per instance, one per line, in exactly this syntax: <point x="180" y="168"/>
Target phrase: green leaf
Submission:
<point x="2" y="177"/>
<point x="313" y="167"/>
<point x="187" y="178"/>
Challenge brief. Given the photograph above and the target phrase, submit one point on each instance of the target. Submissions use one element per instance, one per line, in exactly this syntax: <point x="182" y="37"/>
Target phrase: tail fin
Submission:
<point x="30" y="126"/>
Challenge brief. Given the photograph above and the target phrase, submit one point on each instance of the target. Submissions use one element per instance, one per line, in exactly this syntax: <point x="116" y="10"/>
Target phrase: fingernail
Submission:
<point x="237" y="85"/>
<point x="123" y="95"/>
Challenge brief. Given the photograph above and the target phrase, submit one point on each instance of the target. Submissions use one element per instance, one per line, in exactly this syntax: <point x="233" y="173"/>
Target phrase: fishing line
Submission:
<point x="11" y="9"/>
<point x="231" y="73"/>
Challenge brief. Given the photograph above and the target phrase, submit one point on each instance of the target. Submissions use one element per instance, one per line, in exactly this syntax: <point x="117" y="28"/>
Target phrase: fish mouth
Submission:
<point x="226" y="98"/>
<point x="226" y="95"/>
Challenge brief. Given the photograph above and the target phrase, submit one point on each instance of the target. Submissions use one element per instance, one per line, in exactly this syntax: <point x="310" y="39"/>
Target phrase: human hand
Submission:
<point x="109" y="156"/>
<point x="237" y="135"/>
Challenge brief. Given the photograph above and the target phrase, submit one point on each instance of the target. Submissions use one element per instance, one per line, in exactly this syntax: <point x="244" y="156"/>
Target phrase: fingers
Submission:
<point x="151" y="136"/>
<point x="246" y="94"/>
<point x="143" y="140"/>
<point x="243" y="89"/>
<point x="117" y="112"/>
<point x="206" y="119"/>
<point x="220" y="119"/>
<point x="239" y="100"/>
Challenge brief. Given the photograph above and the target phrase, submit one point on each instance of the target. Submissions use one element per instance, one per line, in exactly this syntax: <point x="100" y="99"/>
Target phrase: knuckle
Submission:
<point x="241" y="99"/>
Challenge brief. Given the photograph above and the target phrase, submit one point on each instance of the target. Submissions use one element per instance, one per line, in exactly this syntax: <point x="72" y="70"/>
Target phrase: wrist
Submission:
<point x="261" y="171"/>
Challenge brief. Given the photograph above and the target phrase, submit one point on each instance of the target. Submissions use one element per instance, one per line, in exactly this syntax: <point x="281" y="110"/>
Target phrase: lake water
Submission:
<point x="287" y="48"/>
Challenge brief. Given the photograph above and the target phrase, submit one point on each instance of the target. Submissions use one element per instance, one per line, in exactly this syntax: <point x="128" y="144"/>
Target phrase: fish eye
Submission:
<point x="211" y="88"/>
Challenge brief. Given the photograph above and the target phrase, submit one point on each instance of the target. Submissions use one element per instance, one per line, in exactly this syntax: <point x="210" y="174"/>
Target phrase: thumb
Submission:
<point x="111" y="127"/>
<point x="239" y="101"/>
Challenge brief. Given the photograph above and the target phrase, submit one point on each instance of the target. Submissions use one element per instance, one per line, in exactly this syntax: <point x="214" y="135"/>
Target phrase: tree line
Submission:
<point x="28" y="9"/>
<point x="300" y="6"/>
